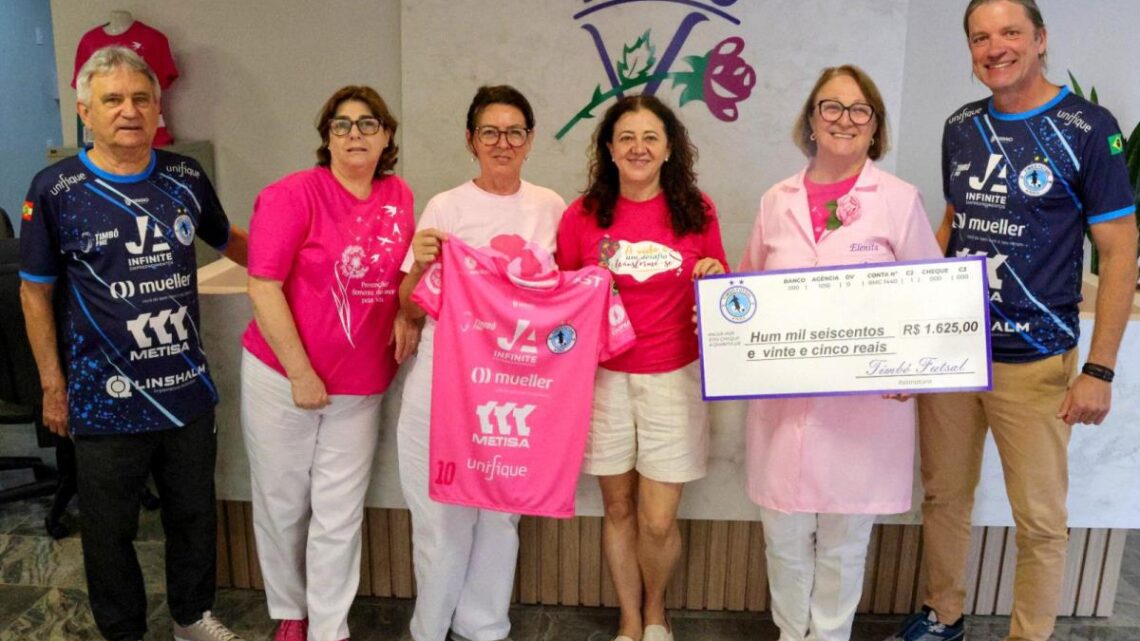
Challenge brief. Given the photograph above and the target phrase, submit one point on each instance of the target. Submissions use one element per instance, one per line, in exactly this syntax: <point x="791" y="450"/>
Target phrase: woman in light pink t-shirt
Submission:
<point x="464" y="557"/>
<point x="324" y="271"/>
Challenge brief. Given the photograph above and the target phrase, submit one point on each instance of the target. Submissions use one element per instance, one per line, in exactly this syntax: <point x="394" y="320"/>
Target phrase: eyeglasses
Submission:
<point x="490" y="136"/>
<point x="832" y="110"/>
<point x="367" y="125"/>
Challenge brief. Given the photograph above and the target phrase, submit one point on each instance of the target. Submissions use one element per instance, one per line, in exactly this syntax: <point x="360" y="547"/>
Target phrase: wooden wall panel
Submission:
<point x="722" y="566"/>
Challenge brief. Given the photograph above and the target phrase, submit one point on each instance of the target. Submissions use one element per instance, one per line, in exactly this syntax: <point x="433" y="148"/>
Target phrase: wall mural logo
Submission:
<point x="720" y="78"/>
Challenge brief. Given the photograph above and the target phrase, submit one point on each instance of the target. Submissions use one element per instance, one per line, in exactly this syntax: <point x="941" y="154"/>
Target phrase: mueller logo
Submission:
<point x="991" y="189"/>
<point x="503" y="424"/>
<point x="65" y="183"/>
<point x="163" y="328"/>
<point x="183" y="170"/>
<point x="522" y="347"/>
<point x="1074" y="120"/>
<point x="486" y="376"/>
<point x="990" y="226"/>
<point x="126" y="288"/>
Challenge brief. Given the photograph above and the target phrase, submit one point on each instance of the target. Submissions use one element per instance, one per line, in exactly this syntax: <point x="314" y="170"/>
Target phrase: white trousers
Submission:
<point x="464" y="557"/>
<point x="815" y="571"/>
<point x="309" y="471"/>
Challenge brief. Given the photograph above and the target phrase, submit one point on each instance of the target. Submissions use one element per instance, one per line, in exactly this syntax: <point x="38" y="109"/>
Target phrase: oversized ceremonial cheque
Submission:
<point x="920" y="326"/>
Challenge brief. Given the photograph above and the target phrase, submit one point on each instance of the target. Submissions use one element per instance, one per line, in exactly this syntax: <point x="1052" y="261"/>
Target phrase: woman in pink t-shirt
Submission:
<point x="644" y="219"/>
<point x="822" y="467"/>
<point x="324" y="272"/>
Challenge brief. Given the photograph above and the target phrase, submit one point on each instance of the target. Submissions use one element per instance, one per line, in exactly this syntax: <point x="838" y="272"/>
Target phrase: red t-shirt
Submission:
<point x="653" y="271"/>
<point x="146" y="41"/>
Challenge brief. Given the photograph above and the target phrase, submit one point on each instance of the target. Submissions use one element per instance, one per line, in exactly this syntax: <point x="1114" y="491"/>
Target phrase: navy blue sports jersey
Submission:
<point x="1024" y="187"/>
<point x="122" y="247"/>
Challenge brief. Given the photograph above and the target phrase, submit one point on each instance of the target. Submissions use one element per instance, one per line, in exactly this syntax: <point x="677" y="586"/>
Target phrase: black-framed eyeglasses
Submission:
<point x="368" y="125"/>
<point x="490" y="136"/>
<point x="860" y="113"/>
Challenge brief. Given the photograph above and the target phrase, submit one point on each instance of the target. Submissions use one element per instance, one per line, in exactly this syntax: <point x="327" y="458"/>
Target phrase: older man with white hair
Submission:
<point x="109" y="291"/>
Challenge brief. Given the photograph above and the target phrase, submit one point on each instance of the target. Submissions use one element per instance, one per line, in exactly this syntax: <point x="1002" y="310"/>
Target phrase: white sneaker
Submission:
<point x="656" y="633"/>
<point x="205" y="629"/>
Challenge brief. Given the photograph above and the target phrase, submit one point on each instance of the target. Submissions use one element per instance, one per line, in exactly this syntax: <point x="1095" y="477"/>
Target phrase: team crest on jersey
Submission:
<point x="1035" y="179"/>
<point x="737" y="304"/>
<point x="561" y="339"/>
<point x="184" y="229"/>
<point x="27" y="212"/>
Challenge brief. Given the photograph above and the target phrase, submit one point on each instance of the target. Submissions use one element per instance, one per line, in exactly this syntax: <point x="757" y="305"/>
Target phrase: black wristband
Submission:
<point x="1099" y="371"/>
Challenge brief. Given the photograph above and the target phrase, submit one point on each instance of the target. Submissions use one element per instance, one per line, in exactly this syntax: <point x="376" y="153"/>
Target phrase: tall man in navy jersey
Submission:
<point x="121" y="360"/>
<point x="1025" y="172"/>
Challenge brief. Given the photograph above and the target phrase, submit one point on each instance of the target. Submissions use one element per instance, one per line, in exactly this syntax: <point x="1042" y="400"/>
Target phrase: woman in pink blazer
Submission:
<point x="822" y="467"/>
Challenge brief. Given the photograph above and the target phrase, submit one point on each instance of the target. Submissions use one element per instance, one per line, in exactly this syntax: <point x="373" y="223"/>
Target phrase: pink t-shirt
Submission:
<point x="144" y="40"/>
<point x="513" y="344"/>
<point x="338" y="258"/>
<point x="653" y="269"/>
<point x="819" y="195"/>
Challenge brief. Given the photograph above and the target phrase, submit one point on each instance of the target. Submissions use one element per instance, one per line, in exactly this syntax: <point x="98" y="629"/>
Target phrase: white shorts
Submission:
<point x="656" y="423"/>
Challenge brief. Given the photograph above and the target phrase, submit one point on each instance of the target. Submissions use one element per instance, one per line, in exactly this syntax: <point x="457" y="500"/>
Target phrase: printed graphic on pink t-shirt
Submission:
<point x="516" y="346"/>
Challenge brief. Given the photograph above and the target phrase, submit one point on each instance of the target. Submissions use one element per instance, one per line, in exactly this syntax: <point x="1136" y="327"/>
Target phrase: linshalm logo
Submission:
<point x="720" y="77"/>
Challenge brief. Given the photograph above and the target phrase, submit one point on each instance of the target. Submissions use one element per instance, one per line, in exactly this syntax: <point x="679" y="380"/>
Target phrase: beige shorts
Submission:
<point x="656" y="423"/>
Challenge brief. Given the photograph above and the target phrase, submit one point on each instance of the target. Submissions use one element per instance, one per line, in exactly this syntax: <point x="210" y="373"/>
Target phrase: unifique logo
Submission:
<point x="737" y="303"/>
<point x="561" y="339"/>
<point x="1035" y="179"/>
<point x="720" y="78"/>
<point x="184" y="229"/>
<point x="1115" y="144"/>
<point x="26" y="214"/>
<point x="118" y="387"/>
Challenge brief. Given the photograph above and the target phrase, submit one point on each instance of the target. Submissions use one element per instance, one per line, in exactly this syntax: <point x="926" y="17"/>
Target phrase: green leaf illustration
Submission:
<point x="637" y="59"/>
<point x="833" y="220"/>
<point x="693" y="80"/>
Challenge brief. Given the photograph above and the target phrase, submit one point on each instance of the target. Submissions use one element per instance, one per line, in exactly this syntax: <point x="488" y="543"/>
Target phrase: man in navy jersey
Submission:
<point x="108" y="236"/>
<point x="1025" y="173"/>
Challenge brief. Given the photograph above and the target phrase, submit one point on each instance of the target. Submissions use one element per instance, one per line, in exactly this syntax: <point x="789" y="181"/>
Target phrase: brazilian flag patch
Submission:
<point x="1116" y="144"/>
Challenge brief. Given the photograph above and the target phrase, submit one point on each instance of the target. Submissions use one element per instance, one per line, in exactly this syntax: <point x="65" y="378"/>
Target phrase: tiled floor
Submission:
<point x="42" y="598"/>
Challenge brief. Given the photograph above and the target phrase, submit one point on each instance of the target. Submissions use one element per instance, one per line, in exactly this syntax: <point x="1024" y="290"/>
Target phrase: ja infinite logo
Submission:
<point x="720" y="78"/>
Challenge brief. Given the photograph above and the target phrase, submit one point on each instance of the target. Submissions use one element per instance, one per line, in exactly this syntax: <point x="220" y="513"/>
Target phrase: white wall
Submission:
<point x="254" y="75"/>
<point x="1092" y="39"/>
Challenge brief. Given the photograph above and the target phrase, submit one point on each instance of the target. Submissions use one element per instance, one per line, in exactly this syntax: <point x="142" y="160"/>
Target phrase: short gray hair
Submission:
<point x="107" y="60"/>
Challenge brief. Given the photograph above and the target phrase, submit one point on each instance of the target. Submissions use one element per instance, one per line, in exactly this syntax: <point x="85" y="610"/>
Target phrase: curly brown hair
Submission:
<point x="379" y="109"/>
<point x="688" y="211"/>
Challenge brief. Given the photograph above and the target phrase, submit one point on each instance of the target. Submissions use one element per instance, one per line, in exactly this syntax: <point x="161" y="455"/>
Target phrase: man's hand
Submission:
<point x="55" y="409"/>
<point x="1087" y="401"/>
